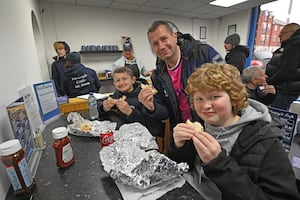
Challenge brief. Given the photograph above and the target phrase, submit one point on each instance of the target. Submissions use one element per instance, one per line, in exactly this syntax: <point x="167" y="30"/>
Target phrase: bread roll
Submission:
<point x="123" y="98"/>
<point x="86" y="126"/>
<point x="153" y="90"/>
<point x="196" y="125"/>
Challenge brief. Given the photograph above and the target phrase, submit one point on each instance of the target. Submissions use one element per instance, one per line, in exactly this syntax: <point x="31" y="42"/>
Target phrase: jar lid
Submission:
<point x="59" y="132"/>
<point x="10" y="147"/>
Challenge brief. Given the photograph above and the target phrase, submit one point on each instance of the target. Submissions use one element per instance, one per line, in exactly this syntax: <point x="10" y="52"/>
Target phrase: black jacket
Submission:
<point x="153" y="124"/>
<point x="58" y="70"/>
<point x="283" y="70"/>
<point x="237" y="57"/>
<point x="260" y="96"/>
<point x="79" y="80"/>
<point x="257" y="168"/>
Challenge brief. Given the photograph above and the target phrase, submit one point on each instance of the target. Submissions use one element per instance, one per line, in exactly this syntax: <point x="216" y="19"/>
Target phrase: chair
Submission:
<point x="162" y="141"/>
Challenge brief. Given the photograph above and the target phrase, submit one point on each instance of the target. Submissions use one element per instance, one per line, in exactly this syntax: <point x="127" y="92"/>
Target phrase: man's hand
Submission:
<point x="269" y="89"/>
<point x="146" y="98"/>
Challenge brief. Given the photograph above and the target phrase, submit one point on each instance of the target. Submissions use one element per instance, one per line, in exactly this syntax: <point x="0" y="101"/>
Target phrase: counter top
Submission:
<point x="85" y="179"/>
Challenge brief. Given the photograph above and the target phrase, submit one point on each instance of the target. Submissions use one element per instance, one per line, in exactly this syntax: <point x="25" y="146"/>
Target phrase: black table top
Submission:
<point x="85" y="179"/>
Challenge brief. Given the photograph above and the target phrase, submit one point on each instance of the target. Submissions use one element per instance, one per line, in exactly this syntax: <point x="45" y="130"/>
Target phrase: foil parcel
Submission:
<point x="97" y="127"/>
<point x="134" y="159"/>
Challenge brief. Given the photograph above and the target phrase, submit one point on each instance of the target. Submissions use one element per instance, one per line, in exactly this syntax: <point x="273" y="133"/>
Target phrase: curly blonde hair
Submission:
<point x="219" y="77"/>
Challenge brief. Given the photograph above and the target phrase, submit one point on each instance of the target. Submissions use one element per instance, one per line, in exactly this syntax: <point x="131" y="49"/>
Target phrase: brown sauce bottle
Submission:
<point x="12" y="156"/>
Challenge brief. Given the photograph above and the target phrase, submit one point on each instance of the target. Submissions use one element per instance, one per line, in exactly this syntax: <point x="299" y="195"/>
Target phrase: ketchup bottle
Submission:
<point x="62" y="146"/>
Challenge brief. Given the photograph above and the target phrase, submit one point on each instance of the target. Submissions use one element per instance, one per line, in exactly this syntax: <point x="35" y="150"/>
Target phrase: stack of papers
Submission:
<point x="97" y="95"/>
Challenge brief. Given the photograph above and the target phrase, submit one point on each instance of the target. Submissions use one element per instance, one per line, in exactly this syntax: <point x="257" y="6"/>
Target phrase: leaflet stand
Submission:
<point x="47" y="100"/>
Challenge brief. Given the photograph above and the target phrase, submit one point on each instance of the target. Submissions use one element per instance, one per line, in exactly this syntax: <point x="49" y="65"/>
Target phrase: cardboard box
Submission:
<point x="75" y="104"/>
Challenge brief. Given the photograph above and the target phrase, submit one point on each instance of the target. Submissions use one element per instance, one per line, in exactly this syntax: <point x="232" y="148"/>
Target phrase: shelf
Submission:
<point x="99" y="52"/>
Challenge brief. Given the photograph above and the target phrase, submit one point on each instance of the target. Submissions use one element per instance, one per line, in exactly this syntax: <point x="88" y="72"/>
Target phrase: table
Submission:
<point x="85" y="179"/>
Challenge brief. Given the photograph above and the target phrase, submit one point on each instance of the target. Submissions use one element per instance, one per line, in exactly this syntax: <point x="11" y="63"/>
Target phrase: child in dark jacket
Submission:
<point x="239" y="154"/>
<point x="78" y="79"/>
<point x="58" y="66"/>
<point x="123" y="105"/>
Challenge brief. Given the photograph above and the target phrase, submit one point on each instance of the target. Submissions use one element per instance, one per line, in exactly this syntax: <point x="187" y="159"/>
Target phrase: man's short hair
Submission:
<point x="250" y="72"/>
<point x="158" y="23"/>
<point x="126" y="70"/>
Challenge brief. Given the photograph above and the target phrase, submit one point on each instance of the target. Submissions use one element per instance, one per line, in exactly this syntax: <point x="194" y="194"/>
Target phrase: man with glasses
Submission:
<point x="283" y="69"/>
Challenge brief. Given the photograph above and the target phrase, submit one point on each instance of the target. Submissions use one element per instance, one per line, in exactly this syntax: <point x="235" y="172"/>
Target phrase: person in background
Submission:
<point x="123" y="105"/>
<point x="239" y="154"/>
<point x="57" y="67"/>
<point x="178" y="55"/>
<point x="78" y="79"/>
<point x="283" y="70"/>
<point x="236" y="53"/>
<point x="254" y="79"/>
<point x="129" y="60"/>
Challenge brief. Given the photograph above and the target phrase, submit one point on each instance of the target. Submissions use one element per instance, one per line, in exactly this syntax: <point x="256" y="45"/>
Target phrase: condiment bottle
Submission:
<point x="63" y="150"/>
<point x="39" y="140"/>
<point x="12" y="156"/>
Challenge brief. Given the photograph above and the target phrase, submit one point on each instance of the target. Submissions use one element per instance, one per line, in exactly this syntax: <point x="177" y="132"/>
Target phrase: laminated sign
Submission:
<point x="287" y="121"/>
<point x="47" y="99"/>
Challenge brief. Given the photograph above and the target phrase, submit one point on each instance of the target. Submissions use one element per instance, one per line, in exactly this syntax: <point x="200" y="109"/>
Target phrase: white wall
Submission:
<point x="26" y="52"/>
<point x="20" y="65"/>
<point x="88" y="25"/>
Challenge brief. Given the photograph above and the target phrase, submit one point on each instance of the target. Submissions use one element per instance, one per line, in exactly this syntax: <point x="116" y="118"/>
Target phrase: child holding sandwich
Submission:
<point x="123" y="105"/>
<point x="239" y="154"/>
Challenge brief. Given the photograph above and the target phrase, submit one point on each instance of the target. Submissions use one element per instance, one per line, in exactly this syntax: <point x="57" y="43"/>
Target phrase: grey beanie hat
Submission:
<point x="233" y="39"/>
<point x="73" y="57"/>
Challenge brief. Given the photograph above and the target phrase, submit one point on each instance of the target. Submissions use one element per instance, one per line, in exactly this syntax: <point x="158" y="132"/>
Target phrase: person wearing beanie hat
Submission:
<point x="129" y="60"/>
<point x="73" y="57"/>
<point x="57" y="67"/>
<point x="78" y="79"/>
<point x="236" y="53"/>
<point x="233" y="39"/>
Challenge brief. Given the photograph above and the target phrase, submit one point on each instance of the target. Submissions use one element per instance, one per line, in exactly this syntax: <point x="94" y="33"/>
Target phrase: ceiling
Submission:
<point x="200" y="9"/>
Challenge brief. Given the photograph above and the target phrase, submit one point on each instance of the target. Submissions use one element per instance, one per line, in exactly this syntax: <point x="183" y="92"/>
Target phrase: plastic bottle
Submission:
<point x="93" y="110"/>
<point x="39" y="142"/>
<point x="63" y="150"/>
<point x="12" y="156"/>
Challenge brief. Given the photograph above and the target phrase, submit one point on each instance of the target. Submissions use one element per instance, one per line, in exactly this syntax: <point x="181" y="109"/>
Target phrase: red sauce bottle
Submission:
<point x="62" y="146"/>
<point x="12" y="156"/>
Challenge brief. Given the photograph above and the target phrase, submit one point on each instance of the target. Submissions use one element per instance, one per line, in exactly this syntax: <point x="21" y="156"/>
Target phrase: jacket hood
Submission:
<point x="240" y="48"/>
<point x="227" y="135"/>
<point x="255" y="111"/>
<point x="57" y="58"/>
<point x="75" y="70"/>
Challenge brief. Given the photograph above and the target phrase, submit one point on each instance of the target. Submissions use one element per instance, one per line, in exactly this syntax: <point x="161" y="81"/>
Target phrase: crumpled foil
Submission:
<point x="97" y="126"/>
<point x="134" y="159"/>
